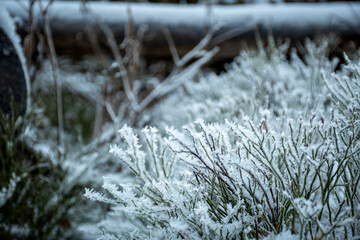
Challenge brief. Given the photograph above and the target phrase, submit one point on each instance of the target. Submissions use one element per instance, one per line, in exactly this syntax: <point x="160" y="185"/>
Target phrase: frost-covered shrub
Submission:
<point x="256" y="84"/>
<point x="284" y="165"/>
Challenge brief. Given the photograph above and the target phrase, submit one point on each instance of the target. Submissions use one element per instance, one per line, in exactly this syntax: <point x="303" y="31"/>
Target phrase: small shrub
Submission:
<point x="34" y="203"/>
<point x="286" y="167"/>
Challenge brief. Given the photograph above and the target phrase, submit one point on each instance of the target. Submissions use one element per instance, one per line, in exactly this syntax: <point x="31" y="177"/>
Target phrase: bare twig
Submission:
<point x="223" y="37"/>
<point x="54" y="67"/>
<point x="172" y="46"/>
<point x="176" y="79"/>
<point x="173" y="82"/>
<point x="198" y="50"/>
<point x="118" y="58"/>
<point x="29" y="42"/>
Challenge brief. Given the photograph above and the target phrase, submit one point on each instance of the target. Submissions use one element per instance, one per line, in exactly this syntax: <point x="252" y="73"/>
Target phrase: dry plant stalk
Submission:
<point x="183" y="71"/>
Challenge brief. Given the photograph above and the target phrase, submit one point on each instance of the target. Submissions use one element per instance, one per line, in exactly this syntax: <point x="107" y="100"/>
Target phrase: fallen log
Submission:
<point x="187" y="24"/>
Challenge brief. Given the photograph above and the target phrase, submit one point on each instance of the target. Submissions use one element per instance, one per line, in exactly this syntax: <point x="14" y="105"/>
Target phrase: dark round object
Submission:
<point x="12" y="80"/>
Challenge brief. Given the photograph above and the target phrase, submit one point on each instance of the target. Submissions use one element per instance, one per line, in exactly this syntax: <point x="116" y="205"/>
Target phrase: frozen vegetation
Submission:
<point x="274" y="153"/>
<point x="269" y="149"/>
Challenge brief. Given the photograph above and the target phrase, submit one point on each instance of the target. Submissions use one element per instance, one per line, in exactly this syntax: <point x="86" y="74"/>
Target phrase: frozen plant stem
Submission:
<point x="116" y="52"/>
<point x="54" y="68"/>
<point x="172" y="82"/>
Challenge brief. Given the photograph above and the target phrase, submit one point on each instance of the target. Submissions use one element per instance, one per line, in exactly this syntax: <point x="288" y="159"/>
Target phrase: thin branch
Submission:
<point x="54" y="67"/>
<point x="172" y="46"/>
<point x="173" y="82"/>
<point x="118" y="58"/>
